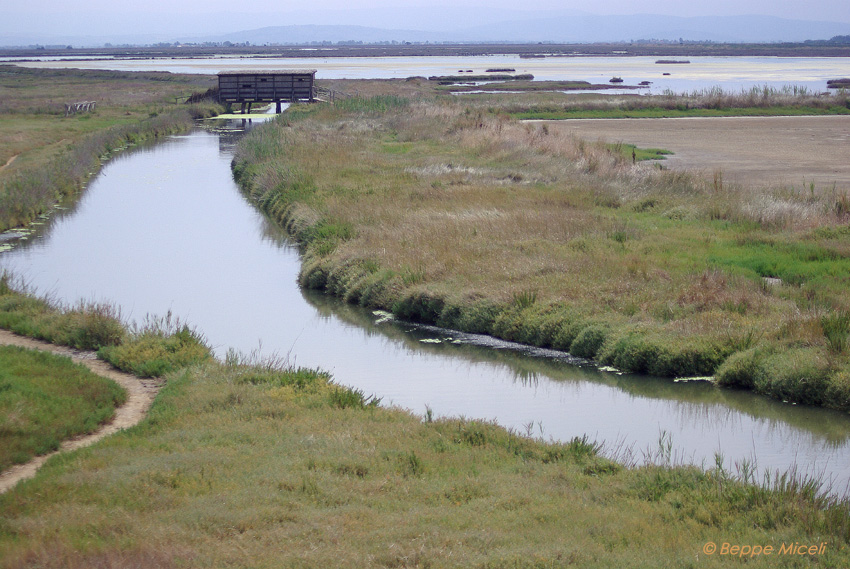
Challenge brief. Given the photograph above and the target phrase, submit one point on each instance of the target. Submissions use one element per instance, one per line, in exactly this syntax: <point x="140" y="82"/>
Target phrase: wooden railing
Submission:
<point x="81" y="107"/>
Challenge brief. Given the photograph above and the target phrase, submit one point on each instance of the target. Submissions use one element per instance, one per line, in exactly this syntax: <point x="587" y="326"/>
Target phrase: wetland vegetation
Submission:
<point x="49" y="154"/>
<point x="453" y="212"/>
<point x="45" y="399"/>
<point x="259" y="463"/>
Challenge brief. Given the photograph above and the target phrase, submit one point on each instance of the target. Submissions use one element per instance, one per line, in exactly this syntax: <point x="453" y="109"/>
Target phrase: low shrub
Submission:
<point x="153" y="353"/>
<point x="799" y="375"/>
<point x="741" y="368"/>
<point x="589" y="340"/>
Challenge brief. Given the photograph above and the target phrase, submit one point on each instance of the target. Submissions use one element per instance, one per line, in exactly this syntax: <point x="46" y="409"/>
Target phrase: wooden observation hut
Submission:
<point x="248" y="87"/>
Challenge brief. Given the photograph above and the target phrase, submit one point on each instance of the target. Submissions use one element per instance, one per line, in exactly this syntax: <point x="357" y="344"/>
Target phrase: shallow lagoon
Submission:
<point x="729" y="73"/>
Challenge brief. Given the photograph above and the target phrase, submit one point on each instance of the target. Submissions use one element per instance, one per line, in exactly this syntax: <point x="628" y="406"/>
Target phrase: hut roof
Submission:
<point x="268" y="72"/>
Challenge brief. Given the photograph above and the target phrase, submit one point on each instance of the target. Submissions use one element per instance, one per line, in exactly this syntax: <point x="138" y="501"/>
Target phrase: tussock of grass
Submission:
<point x="45" y="399"/>
<point x="85" y="326"/>
<point x="488" y="225"/>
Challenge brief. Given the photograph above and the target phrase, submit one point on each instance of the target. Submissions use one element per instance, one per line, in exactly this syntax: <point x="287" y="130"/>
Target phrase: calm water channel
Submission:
<point x="165" y="228"/>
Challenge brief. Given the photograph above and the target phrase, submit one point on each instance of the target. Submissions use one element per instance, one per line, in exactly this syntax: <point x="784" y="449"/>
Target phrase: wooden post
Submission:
<point x="277" y="106"/>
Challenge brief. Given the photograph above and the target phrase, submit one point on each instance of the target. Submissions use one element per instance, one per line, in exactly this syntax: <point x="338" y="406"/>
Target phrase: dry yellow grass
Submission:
<point x="469" y="219"/>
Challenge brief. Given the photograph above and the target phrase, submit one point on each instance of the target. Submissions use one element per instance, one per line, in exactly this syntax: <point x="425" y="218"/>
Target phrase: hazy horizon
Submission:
<point x="43" y="21"/>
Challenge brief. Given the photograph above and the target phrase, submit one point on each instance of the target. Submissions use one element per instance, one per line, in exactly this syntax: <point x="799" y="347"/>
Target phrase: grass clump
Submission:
<point x="85" y="326"/>
<point x="45" y="399"/>
<point x="157" y="347"/>
<point x="160" y="346"/>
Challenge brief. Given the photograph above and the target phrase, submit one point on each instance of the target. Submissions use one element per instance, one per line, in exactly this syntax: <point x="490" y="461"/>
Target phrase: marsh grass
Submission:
<point x="229" y="470"/>
<point x="489" y="225"/>
<point x="157" y="347"/>
<point x="85" y="325"/>
<point x="765" y="100"/>
<point x="151" y="349"/>
<point x="45" y="399"/>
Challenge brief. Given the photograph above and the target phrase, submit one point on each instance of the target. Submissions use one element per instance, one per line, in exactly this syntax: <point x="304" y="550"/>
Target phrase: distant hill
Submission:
<point x="437" y="24"/>
<point x="575" y="28"/>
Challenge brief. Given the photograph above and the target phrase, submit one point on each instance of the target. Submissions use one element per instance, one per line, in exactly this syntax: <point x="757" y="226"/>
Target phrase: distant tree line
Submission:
<point x="835" y="40"/>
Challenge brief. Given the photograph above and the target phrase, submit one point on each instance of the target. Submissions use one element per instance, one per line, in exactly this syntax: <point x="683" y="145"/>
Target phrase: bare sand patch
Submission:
<point x="751" y="151"/>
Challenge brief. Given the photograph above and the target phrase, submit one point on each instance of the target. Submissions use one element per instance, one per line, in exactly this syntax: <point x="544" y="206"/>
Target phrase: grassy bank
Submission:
<point x="150" y="349"/>
<point x="257" y="464"/>
<point x="49" y="155"/>
<point x="468" y="219"/>
<point x="45" y="399"/>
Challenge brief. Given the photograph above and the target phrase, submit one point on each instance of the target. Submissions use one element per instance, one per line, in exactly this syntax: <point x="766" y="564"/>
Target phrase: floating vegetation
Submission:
<point x="383" y="316"/>
<point x="431" y="341"/>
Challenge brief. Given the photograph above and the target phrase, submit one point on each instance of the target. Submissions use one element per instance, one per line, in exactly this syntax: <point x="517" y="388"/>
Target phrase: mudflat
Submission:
<point x="751" y="151"/>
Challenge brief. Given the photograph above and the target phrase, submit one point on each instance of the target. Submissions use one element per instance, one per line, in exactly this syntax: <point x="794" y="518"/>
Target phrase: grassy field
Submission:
<point x="47" y="156"/>
<point x="257" y="464"/>
<point x="455" y="214"/>
<point x="45" y="399"/>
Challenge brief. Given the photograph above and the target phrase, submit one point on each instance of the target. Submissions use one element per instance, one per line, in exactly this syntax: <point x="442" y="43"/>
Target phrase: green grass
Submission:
<point x="153" y="349"/>
<point x="630" y="151"/>
<point x="45" y="399"/>
<point x="261" y="465"/>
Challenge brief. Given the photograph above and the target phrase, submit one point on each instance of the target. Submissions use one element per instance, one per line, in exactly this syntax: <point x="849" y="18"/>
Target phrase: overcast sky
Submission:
<point x="834" y="10"/>
<point x="42" y="19"/>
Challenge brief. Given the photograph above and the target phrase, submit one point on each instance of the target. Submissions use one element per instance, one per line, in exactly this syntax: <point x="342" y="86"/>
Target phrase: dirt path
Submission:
<point x="752" y="151"/>
<point x="140" y="394"/>
<point x="8" y="162"/>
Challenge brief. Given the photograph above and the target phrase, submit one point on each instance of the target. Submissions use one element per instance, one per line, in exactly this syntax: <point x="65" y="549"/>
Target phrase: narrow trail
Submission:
<point x="140" y="395"/>
<point x="8" y="162"/>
